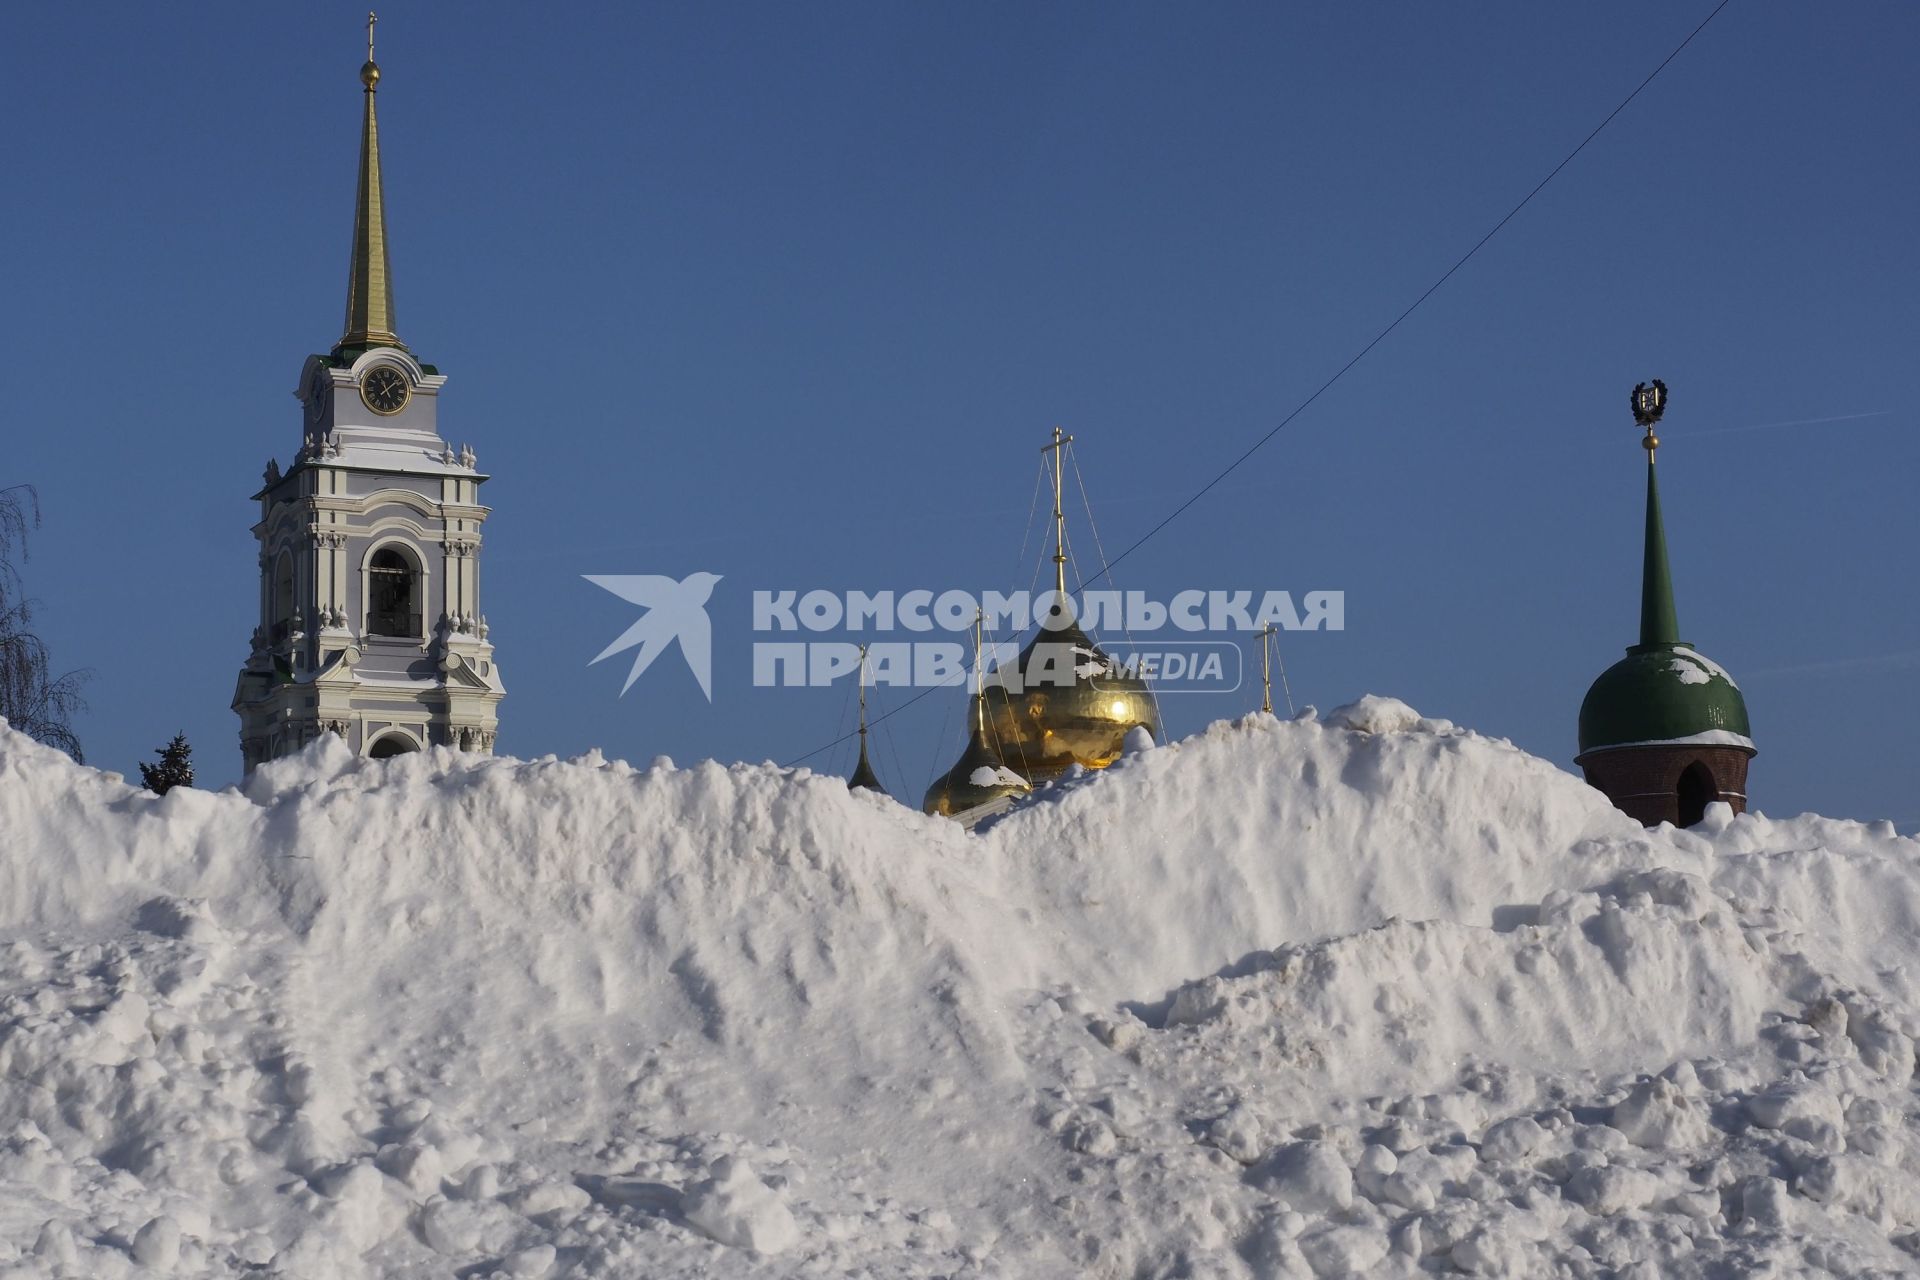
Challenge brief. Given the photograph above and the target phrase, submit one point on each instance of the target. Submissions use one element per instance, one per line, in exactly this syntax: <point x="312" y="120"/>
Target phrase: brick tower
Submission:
<point x="1663" y="731"/>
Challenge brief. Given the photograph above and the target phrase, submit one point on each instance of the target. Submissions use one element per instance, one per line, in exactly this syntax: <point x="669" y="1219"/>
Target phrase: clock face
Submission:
<point x="317" y="398"/>
<point x="385" y="390"/>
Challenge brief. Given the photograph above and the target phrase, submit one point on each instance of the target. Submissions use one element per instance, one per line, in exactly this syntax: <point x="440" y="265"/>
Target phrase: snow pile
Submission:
<point x="1366" y="994"/>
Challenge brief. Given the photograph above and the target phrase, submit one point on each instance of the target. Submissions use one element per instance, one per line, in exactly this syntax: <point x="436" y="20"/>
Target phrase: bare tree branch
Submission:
<point x="32" y="700"/>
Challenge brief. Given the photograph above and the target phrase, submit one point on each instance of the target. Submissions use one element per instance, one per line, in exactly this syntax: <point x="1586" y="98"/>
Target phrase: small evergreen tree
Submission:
<point x="174" y="770"/>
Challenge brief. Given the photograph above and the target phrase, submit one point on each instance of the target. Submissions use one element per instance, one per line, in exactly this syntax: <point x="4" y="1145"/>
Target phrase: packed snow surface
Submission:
<point x="1357" y="995"/>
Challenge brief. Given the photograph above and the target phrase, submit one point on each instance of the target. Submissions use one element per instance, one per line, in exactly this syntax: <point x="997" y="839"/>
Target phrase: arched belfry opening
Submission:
<point x="393" y="594"/>
<point x="283" y="595"/>
<point x="1694" y="792"/>
<point x="389" y="745"/>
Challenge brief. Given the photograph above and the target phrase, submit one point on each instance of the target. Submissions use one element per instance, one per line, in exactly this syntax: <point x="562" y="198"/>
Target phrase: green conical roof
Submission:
<point x="1663" y="690"/>
<point x="1659" y="624"/>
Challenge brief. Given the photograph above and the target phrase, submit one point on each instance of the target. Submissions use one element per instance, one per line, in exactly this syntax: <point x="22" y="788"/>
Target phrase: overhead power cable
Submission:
<point x="1362" y="354"/>
<point x="1413" y="306"/>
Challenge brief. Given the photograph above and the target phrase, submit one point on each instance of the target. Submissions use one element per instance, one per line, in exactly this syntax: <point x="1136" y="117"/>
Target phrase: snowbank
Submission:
<point x="1361" y="995"/>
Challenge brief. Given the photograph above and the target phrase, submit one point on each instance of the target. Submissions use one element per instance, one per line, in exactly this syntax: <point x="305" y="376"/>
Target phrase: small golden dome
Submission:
<point x="979" y="777"/>
<point x="370" y="74"/>
<point x="1070" y="704"/>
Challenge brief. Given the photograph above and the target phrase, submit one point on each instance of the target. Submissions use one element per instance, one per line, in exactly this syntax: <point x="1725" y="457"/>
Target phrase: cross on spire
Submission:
<point x="1059" y="450"/>
<point x="863" y="698"/>
<point x="979" y="672"/>
<point x="1269" y="659"/>
<point x="1266" y="669"/>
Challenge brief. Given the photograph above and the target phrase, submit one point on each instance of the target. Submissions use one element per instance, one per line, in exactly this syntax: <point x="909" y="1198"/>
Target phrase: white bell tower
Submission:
<point x="370" y="620"/>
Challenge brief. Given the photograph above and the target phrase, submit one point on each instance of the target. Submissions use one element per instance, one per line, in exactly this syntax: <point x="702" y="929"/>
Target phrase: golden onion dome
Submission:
<point x="1066" y="702"/>
<point x="980" y="777"/>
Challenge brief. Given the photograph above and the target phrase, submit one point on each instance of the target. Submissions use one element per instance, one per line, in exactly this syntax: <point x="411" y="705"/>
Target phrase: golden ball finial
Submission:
<point x="370" y="75"/>
<point x="1651" y="443"/>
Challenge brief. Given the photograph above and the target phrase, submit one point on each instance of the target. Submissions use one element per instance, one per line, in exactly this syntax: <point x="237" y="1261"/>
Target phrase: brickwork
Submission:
<point x="1644" y="782"/>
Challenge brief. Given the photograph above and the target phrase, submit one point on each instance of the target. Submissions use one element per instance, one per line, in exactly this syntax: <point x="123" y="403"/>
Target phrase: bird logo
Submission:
<point x="674" y="611"/>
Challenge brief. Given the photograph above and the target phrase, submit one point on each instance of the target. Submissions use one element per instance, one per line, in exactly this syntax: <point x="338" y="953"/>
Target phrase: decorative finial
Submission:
<point x="1649" y="402"/>
<point x="370" y="74"/>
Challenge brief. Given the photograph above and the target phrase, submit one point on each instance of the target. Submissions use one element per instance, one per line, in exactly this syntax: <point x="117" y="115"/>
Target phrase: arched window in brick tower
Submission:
<point x="1695" y="792"/>
<point x="393" y="594"/>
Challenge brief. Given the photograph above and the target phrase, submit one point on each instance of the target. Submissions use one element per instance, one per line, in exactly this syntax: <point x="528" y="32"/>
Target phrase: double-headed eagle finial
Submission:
<point x="1649" y="402"/>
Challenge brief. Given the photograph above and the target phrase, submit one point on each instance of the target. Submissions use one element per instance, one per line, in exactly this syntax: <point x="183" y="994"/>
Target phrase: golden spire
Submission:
<point x="1059" y="450"/>
<point x="369" y="282"/>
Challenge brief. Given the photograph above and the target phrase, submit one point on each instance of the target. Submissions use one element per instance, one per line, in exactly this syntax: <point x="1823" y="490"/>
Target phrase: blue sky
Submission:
<point x="793" y="294"/>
